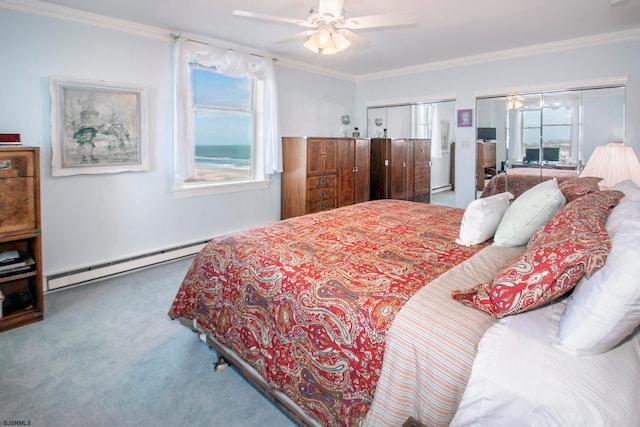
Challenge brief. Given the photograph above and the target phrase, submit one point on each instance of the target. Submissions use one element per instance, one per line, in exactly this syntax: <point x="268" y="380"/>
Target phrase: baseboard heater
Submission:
<point x="441" y="189"/>
<point x="102" y="271"/>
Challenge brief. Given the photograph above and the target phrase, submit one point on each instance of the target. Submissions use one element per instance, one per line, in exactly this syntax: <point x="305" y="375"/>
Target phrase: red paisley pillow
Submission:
<point x="588" y="213"/>
<point x="539" y="275"/>
<point x="574" y="188"/>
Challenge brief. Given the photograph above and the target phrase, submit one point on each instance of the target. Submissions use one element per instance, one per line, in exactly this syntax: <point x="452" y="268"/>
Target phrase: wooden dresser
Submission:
<point x="323" y="173"/>
<point x="401" y="169"/>
<point x="485" y="162"/>
<point x="21" y="285"/>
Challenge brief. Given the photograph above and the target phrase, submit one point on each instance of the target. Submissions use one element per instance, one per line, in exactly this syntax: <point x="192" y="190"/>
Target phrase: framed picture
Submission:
<point x="465" y="118"/>
<point x="444" y="136"/>
<point x="97" y="127"/>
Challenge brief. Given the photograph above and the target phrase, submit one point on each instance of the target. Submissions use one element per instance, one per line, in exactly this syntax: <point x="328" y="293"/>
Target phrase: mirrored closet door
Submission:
<point x="431" y="120"/>
<point x="548" y="134"/>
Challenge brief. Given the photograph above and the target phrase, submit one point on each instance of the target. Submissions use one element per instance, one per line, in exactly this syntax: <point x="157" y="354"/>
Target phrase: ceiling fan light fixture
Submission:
<point x="327" y="43"/>
<point x="312" y="43"/>
<point x="324" y="38"/>
<point x="340" y="41"/>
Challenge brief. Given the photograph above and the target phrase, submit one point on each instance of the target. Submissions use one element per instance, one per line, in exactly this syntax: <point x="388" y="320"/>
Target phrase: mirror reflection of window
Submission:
<point x="562" y="128"/>
<point x="551" y="131"/>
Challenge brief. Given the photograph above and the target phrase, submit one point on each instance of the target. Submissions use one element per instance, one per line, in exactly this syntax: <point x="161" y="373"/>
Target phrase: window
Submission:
<point x="531" y="129"/>
<point x="223" y="123"/>
<point x="225" y="120"/>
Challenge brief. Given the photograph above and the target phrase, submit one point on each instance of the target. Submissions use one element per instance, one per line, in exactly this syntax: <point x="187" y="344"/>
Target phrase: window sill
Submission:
<point x="211" y="188"/>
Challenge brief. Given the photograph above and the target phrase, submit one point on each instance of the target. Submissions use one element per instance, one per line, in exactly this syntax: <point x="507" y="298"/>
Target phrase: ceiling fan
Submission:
<point x="329" y="31"/>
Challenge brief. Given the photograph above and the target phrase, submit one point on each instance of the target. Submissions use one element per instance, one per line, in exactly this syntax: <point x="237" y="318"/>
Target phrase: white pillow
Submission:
<point x="605" y="308"/>
<point x="481" y="218"/>
<point x="630" y="189"/>
<point x="529" y="212"/>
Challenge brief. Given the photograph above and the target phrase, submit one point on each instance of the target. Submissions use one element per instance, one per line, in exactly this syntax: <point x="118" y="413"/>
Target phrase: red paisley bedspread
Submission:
<point x="518" y="180"/>
<point x="307" y="301"/>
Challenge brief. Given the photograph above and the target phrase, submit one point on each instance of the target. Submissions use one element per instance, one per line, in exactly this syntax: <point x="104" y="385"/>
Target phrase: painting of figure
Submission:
<point x="98" y="128"/>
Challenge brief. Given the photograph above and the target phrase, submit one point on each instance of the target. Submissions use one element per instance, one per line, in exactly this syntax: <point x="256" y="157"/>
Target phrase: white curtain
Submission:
<point x="235" y="64"/>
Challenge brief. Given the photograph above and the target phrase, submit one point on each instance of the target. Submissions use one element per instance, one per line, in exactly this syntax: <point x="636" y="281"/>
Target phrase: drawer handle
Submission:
<point x="323" y="181"/>
<point x="323" y="194"/>
<point x="5" y="164"/>
<point x="323" y="206"/>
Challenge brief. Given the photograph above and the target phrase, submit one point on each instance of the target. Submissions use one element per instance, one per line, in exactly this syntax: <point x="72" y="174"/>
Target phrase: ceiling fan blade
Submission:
<point x="355" y="39"/>
<point x="383" y="20"/>
<point x="295" y="37"/>
<point x="246" y="14"/>
<point x="331" y="7"/>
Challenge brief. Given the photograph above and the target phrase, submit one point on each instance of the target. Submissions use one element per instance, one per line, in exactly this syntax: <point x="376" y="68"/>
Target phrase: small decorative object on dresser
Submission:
<point x="346" y="120"/>
<point x="10" y="139"/>
<point x="20" y="241"/>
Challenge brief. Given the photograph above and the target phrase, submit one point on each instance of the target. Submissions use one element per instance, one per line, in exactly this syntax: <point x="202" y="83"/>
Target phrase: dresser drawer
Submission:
<point x="321" y="181"/>
<point x="422" y="180"/>
<point x="16" y="163"/>
<point x="320" y="205"/>
<point x="320" y="194"/>
<point x="17" y="204"/>
<point x="17" y="191"/>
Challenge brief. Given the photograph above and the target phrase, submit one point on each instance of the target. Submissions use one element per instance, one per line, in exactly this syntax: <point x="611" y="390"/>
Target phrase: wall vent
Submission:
<point x="102" y="271"/>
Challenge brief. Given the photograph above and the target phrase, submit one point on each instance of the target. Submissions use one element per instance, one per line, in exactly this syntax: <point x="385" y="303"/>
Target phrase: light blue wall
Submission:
<point x="539" y="71"/>
<point x="92" y="219"/>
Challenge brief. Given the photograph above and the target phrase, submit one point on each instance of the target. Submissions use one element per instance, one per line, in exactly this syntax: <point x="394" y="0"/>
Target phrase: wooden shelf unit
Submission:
<point x="20" y="229"/>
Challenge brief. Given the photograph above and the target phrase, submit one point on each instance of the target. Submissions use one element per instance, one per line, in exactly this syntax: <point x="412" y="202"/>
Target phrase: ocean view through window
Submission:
<point x="223" y="119"/>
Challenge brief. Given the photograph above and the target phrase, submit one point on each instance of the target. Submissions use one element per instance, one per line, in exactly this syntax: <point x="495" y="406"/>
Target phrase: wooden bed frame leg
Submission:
<point x="220" y="364"/>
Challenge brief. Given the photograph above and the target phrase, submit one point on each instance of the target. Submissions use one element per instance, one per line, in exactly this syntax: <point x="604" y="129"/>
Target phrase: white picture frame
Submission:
<point x="444" y="136"/>
<point x="97" y="127"/>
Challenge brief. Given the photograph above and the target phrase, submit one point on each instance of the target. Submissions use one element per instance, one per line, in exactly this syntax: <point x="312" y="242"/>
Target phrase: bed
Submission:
<point x="346" y="318"/>
<point x="517" y="180"/>
<point x="307" y="301"/>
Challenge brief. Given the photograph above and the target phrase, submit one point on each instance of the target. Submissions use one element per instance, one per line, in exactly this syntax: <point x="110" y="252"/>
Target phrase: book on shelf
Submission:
<point x="10" y="139"/>
<point x="14" y="262"/>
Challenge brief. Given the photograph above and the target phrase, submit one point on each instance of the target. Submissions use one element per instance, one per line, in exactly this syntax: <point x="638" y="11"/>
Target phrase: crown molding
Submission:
<point x="289" y="63"/>
<point x="582" y="42"/>
<point x="555" y="86"/>
<point x="75" y="15"/>
<point x="165" y="34"/>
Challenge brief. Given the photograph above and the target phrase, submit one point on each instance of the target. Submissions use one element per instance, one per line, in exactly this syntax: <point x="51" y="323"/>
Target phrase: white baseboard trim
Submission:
<point x="441" y="189"/>
<point x="102" y="271"/>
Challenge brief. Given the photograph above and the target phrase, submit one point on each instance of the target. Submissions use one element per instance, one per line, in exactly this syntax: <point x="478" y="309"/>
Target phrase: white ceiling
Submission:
<point x="446" y="29"/>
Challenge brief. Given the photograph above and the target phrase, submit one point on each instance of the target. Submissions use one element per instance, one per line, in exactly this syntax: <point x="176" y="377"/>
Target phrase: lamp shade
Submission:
<point x="327" y="41"/>
<point x="613" y="163"/>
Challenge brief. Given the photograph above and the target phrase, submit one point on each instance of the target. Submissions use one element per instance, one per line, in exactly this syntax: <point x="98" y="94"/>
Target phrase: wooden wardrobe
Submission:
<point x="401" y="169"/>
<point x="323" y="173"/>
